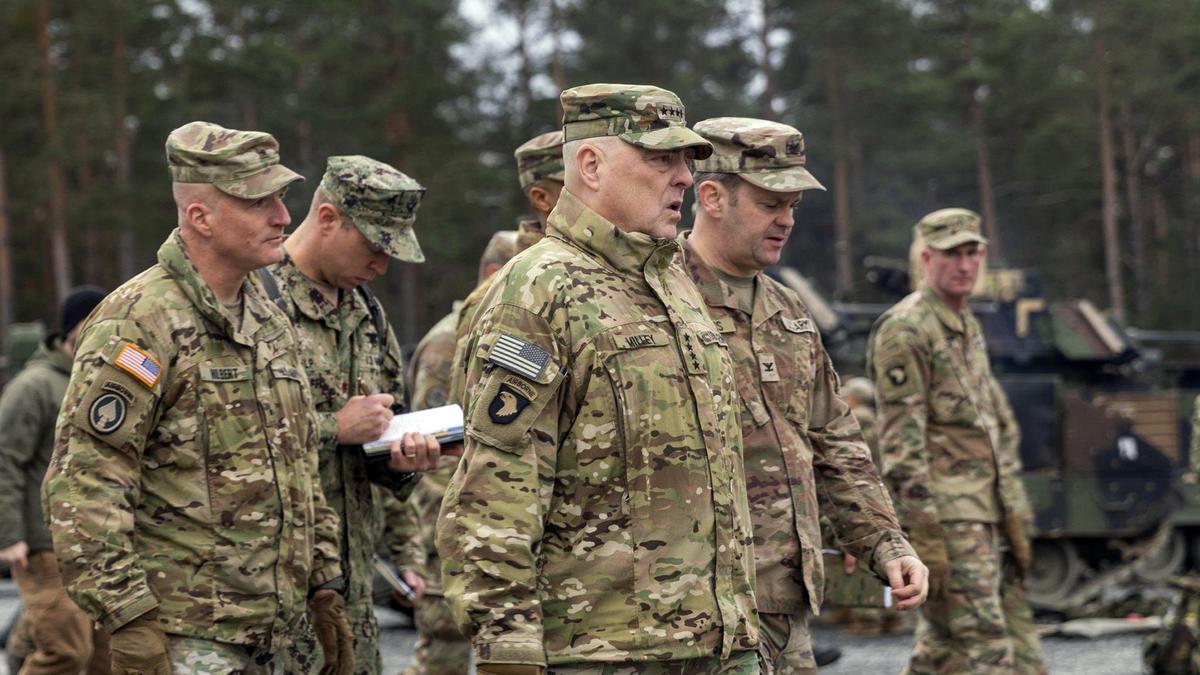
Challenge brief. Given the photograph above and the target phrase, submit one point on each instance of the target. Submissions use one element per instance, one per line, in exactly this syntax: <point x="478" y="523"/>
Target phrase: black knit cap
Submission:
<point x="77" y="305"/>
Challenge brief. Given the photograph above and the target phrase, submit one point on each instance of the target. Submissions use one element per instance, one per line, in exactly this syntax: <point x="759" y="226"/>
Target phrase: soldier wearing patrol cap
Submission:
<point x="800" y="439"/>
<point x="183" y="495"/>
<point x="948" y="443"/>
<point x="598" y="518"/>
<point x="540" y="173"/>
<point x="361" y="216"/>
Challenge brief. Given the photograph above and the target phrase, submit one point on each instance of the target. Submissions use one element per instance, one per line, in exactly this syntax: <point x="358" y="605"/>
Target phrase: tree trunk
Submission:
<point x="406" y="281"/>
<point x="1108" y="172"/>
<point x="983" y="169"/>
<point x="1133" y="196"/>
<point x="60" y="258"/>
<point x="6" y="275"/>
<point x="1158" y="204"/>
<point x="557" y="71"/>
<point x="122" y="151"/>
<point x="841" y="182"/>
<point x="524" y="68"/>
<point x="767" y="110"/>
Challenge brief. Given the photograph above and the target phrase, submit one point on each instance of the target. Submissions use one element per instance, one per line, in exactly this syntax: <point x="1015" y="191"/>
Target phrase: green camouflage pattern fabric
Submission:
<point x="28" y="411"/>
<point x="194" y="491"/>
<point x="540" y="158"/>
<point x="1194" y="450"/>
<point x="345" y="356"/>
<point x="741" y="663"/>
<point x="948" y="439"/>
<point x="191" y="656"/>
<point x="380" y="200"/>
<point x="440" y="648"/>
<point x="803" y="451"/>
<point x="529" y="232"/>
<point x="599" y="512"/>
<point x="242" y="164"/>
<point x="643" y="115"/>
<point x="763" y="153"/>
<point x="946" y="228"/>
<point x="983" y="624"/>
<point x="787" y="643"/>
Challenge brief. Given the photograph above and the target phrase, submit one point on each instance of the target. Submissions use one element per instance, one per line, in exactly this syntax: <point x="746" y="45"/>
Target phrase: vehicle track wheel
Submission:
<point x="1056" y="571"/>
<point x="1156" y="566"/>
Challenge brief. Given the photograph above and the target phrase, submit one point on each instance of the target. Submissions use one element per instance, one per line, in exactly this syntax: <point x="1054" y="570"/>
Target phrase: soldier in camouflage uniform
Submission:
<point x="598" y="519"/>
<point x="441" y="648"/>
<point x="183" y="495"/>
<point x="540" y="173"/>
<point x="58" y="633"/>
<point x="361" y="216"/>
<point x="948" y="441"/>
<point x="803" y="451"/>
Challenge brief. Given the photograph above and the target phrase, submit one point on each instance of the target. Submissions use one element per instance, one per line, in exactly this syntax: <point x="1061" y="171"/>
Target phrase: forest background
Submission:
<point x="1072" y="126"/>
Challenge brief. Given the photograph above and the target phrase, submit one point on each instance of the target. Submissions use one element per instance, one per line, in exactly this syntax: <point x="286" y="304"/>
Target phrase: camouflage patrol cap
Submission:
<point x="946" y="228"/>
<point x="540" y="157"/>
<point x="767" y="154"/>
<point x="380" y="200"/>
<point x="643" y="115"/>
<point x="243" y="164"/>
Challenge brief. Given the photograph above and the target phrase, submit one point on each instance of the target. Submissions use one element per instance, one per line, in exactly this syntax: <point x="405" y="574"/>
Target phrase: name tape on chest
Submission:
<point x="799" y="325"/>
<point x="523" y="358"/>
<point x="139" y="363"/>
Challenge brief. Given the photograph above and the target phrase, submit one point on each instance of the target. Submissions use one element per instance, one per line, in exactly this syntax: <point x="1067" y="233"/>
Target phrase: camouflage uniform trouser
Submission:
<point x="54" y="634"/>
<point x="441" y="649"/>
<point x="193" y="656"/>
<point x="984" y="624"/>
<point x="740" y="663"/>
<point x="785" y="643"/>
<point x="304" y="655"/>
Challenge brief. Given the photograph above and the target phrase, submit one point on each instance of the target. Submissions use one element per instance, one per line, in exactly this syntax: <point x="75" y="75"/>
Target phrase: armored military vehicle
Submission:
<point x="1101" y="442"/>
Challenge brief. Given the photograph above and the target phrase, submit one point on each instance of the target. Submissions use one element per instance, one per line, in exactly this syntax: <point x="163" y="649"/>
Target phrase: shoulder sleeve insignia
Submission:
<point x="897" y="375"/>
<point x="523" y="358"/>
<point x="139" y="363"/>
<point x="108" y="411"/>
<point x="507" y="404"/>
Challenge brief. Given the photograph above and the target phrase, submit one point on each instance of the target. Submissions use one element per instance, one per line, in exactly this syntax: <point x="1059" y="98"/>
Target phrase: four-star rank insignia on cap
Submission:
<point x="507" y="404"/>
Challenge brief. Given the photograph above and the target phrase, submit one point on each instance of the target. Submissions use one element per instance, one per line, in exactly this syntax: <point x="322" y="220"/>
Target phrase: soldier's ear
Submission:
<point x="712" y="198"/>
<point x="328" y="218"/>
<point x="200" y="216"/>
<point x="589" y="162"/>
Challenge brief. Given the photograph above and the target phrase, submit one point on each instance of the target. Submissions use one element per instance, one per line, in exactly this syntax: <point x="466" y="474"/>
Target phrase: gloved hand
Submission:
<point x="508" y="669"/>
<point x="1018" y="542"/>
<point x="333" y="632"/>
<point x="140" y="647"/>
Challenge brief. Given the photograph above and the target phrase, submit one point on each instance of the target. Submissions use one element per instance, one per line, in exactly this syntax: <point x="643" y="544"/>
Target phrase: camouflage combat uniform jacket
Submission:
<point x="430" y="373"/>
<point x="599" y="512"/>
<point x="529" y="232"/>
<point x="947" y="436"/>
<point x="801" y="445"/>
<point x="343" y="357"/>
<point x="28" y="411"/>
<point x="184" y="468"/>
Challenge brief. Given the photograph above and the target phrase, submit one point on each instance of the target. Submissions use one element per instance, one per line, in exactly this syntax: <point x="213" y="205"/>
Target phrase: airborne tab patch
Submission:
<point x="139" y="363"/>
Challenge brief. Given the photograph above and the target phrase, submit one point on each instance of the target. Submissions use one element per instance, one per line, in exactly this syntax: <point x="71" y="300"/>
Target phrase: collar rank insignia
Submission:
<point x="507" y="405"/>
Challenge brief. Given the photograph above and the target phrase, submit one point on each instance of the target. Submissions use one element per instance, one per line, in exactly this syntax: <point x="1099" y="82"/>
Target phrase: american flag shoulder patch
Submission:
<point x="523" y="358"/>
<point x="138" y="363"/>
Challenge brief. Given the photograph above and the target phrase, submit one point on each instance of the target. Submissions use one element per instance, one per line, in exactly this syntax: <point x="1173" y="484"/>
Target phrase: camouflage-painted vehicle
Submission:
<point x="1101" y="440"/>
